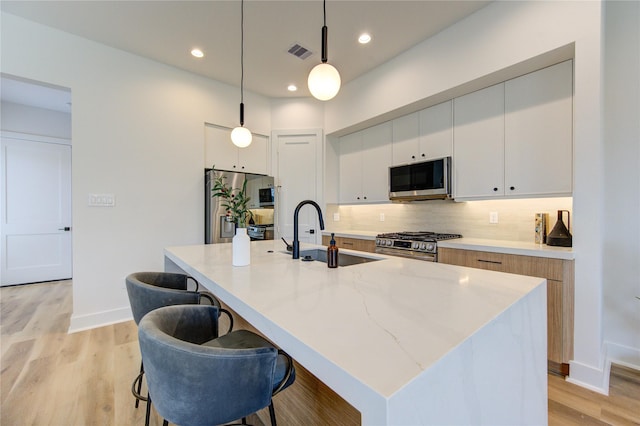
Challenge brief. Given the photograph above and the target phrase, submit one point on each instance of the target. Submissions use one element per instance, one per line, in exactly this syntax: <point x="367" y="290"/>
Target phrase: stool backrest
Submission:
<point x="151" y="290"/>
<point x="190" y="384"/>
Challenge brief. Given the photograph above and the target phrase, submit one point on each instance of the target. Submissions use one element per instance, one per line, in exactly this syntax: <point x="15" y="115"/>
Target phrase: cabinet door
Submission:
<point x="478" y="144"/>
<point x="538" y="132"/>
<point x="436" y="131"/>
<point x="253" y="159"/>
<point x="219" y="150"/>
<point x="406" y="135"/>
<point x="376" y="159"/>
<point x="351" y="168"/>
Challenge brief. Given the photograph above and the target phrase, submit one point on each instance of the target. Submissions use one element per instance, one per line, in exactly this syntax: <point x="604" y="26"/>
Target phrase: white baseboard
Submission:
<point x="99" y="319"/>
<point x="597" y="379"/>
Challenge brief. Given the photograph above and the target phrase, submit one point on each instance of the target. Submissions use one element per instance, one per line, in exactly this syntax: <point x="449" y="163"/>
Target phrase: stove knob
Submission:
<point x="415" y="245"/>
<point x="423" y="246"/>
<point x="431" y="247"/>
<point x="389" y="242"/>
<point x="377" y="241"/>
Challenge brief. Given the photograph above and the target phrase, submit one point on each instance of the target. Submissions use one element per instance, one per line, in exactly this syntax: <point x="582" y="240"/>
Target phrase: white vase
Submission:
<point x="241" y="248"/>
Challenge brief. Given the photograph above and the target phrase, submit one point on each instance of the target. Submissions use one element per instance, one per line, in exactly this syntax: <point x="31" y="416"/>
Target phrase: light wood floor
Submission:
<point x="49" y="377"/>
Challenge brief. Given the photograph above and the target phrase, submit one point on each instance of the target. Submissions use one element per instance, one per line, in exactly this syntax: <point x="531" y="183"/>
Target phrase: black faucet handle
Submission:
<point x="289" y="246"/>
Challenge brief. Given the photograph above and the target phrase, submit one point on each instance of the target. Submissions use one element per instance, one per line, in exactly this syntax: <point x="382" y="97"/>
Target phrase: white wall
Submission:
<point x="499" y="36"/>
<point x="138" y="133"/>
<point x="621" y="242"/>
<point x="297" y="113"/>
<point x="35" y="121"/>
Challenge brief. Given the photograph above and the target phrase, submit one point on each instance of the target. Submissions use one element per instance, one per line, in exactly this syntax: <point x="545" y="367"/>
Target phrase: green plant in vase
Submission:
<point x="234" y="200"/>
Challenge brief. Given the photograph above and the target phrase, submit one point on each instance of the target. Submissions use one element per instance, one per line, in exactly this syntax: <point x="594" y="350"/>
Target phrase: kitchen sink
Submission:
<point x="344" y="259"/>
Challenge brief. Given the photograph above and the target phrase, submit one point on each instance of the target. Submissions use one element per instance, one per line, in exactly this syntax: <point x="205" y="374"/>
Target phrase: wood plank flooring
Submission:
<point x="49" y="377"/>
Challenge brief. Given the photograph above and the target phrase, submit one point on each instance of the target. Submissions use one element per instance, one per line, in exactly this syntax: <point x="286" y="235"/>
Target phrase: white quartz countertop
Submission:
<point x="352" y="233"/>
<point x="366" y="330"/>
<point x="510" y="247"/>
<point x="480" y="244"/>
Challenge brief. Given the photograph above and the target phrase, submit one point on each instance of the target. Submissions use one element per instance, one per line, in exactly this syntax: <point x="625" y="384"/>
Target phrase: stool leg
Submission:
<point x="139" y="384"/>
<point x="148" y="415"/>
<point x="272" y="414"/>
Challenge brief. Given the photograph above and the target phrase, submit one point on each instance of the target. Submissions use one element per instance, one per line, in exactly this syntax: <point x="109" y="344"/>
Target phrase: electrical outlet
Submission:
<point x="493" y="217"/>
<point x="381" y="217"/>
<point x="336" y="217"/>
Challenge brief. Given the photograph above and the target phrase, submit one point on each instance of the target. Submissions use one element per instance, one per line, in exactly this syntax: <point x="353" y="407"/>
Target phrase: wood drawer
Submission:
<point x="522" y="265"/>
<point x="351" y="243"/>
<point x="560" y="293"/>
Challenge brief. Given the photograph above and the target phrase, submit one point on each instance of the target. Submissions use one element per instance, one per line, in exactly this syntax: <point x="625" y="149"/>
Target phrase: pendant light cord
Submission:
<point x="324" y="10"/>
<point x="242" y="52"/>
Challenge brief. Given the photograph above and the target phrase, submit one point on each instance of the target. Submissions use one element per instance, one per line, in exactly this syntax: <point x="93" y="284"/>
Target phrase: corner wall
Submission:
<point x="138" y="133"/>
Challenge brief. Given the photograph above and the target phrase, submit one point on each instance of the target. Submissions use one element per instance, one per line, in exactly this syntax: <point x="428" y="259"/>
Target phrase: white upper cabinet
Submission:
<point x="538" y="132"/>
<point x="423" y="135"/>
<point x="406" y="139"/>
<point x="365" y="157"/>
<point x="221" y="152"/>
<point x="515" y="139"/>
<point x="436" y="131"/>
<point x="478" y="149"/>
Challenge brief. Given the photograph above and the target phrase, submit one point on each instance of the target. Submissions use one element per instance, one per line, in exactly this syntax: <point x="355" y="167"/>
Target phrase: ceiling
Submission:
<point x="166" y="31"/>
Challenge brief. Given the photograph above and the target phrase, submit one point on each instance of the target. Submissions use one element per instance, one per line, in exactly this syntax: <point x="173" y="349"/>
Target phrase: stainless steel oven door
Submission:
<point x="411" y="254"/>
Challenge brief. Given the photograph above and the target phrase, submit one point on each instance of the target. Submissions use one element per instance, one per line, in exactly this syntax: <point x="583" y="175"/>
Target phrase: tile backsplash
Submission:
<point x="471" y="218"/>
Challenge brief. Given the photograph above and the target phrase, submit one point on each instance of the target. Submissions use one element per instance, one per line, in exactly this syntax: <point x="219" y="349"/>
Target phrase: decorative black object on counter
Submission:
<point x="560" y="235"/>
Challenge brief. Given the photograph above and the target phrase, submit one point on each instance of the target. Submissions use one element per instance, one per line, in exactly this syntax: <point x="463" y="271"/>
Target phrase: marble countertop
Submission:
<point x="365" y="330"/>
<point x="510" y="247"/>
<point x="480" y="244"/>
<point x="352" y="233"/>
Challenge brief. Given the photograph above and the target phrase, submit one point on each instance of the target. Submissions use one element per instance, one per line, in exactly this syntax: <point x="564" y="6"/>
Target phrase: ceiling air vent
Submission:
<point x="299" y="51"/>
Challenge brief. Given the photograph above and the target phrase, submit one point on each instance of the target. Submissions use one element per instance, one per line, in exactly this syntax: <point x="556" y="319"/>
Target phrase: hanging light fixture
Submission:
<point x="324" y="79"/>
<point x="241" y="136"/>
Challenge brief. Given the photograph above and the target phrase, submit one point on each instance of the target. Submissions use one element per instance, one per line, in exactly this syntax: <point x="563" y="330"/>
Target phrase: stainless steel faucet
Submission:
<point x="296" y="243"/>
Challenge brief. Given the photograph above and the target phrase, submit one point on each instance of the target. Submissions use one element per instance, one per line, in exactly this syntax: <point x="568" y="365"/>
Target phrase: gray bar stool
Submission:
<point x="196" y="378"/>
<point x="152" y="290"/>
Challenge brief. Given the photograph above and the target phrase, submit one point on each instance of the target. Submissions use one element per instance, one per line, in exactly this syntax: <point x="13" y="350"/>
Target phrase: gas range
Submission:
<point x="415" y="245"/>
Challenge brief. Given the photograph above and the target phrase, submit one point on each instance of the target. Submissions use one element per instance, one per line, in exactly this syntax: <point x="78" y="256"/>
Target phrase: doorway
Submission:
<point x="35" y="194"/>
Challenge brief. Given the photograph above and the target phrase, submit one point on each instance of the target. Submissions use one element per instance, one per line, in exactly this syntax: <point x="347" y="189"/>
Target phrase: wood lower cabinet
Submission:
<point x="351" y="243"/>
<point x="560" y="293"/>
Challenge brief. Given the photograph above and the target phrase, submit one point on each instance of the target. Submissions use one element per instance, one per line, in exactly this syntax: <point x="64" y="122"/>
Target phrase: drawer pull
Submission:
<point x="490" y="261"/>
<point x="347" y="243"/>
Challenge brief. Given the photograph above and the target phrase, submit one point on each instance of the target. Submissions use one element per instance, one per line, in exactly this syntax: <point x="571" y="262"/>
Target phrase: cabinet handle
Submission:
<point x="423" y="155"/>
<point x="512" y="188"/>
<point x="495" y="189"/>
<point x="346" y="243"/>
<point x="489" y="261"/>
<point x="365" y="197"/>
<point x="357" y="198"/>
<point x="234" y="166"/>
<point x="413" y="157"/>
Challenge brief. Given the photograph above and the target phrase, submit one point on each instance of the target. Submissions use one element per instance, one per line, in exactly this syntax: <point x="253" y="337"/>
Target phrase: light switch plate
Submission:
<point x="336" y="217"/>
<point x="493" y="217"/>
<point x="102" y="200"/>
<point x="381" y="217"/>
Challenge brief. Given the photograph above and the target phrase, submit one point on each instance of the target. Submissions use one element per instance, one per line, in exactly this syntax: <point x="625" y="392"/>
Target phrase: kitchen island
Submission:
<point x="403" y="341"/>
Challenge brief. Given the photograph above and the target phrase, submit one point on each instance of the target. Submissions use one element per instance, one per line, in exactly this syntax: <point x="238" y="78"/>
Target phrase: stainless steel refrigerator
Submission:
<point x="262" y="204"/>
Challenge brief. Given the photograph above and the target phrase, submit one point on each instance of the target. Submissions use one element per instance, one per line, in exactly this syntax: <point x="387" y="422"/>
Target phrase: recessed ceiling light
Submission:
<point x="292" y="87"/>
<point x="364" y="38"/>
<point x="197" y="53"/>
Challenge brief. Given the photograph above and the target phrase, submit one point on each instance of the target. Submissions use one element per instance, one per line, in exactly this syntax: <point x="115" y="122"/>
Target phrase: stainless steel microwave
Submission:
<point x="426" y="180"/>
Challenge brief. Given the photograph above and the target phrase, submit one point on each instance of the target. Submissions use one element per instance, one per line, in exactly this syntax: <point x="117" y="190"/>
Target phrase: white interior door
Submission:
<point x="36" y="210"/>
<point x="297" y="178"/>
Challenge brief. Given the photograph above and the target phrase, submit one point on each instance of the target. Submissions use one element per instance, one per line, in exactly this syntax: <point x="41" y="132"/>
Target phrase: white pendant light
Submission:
<point x="324" y="78"/>
<point x="241" y="136"/>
